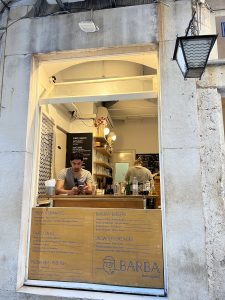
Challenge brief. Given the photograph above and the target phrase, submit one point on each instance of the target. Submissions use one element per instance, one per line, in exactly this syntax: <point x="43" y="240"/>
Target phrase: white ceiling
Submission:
<point x="130" y="77"/>
<point x="134" y="109"/>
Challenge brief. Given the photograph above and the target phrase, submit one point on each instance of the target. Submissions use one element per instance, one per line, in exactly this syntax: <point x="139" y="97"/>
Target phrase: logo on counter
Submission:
<point x="111" y="265"/>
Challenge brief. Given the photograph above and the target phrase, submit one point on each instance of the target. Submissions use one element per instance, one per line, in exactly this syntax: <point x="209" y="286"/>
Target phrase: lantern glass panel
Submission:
<point x="180" y="60"/>
<point x="197" y="51"/>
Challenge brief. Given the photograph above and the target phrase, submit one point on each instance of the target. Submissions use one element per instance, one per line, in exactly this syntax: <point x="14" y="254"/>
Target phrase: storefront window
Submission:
<point x="111" y="237"/>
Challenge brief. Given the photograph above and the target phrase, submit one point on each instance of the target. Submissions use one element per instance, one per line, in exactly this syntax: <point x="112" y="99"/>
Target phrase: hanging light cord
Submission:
<point x="195" y="23"/>
<point x="5" y="4"/>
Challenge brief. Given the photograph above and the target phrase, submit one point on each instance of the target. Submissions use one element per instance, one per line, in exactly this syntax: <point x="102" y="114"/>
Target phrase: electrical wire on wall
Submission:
<point x="91" y="125"/>
<point x="42" y="9"/>
<point x="5" y="4"/>
<point x="4" y="29"/>
<point x="76" y="115"/>
<point x="25" y="17"/>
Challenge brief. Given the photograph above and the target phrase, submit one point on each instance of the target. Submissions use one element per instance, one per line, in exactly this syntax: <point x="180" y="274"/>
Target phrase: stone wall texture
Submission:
<point x="191" y="147"/>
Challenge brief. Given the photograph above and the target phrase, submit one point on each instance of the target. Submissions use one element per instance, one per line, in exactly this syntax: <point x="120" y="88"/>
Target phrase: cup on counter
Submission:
<point x="50" y="190"/>
<point x="50" y="187"/>
<point x="100" y="192"/>
<point x="94" y="188"/>
<point x="116" y="189"/>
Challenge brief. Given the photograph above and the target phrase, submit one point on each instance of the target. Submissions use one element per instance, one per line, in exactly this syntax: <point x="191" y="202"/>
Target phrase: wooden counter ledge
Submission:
<point x="96" y="201"/>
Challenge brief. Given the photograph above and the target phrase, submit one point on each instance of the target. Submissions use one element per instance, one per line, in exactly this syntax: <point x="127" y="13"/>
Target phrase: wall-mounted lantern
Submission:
<point x="192" y="52"/>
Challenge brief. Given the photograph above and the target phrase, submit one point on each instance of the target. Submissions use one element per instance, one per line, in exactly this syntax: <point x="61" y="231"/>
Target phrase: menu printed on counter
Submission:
<point x="106" y="246"/>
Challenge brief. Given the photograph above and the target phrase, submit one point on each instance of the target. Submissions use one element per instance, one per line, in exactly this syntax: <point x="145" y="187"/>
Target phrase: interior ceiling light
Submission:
<point x="88" y="26"/>
<point x="112" y="136"/>
<point x="106" y="130"/>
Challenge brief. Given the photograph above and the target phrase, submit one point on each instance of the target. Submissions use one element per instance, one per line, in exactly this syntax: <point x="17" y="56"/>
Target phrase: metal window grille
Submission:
<point x="46" y="153"/>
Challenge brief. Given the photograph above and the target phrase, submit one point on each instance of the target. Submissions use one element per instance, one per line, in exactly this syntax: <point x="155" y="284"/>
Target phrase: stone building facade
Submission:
<point x="191" y="140"/>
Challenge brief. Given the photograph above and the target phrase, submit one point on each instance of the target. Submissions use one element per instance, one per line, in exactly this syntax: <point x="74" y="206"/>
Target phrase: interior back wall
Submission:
<point x="138" y="134"/>
<point x="60" y="117"/>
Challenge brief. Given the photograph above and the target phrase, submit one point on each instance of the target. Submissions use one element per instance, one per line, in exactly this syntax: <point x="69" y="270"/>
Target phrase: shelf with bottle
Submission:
<point x="101" y="145"/>
<point x="103" y="151"/>
<point x="102" y="175"/>
<point x="101" y="157"/>
<point x="101" y="140"/>
<point x="102" y="170"/>
<point x="103" y="164"/>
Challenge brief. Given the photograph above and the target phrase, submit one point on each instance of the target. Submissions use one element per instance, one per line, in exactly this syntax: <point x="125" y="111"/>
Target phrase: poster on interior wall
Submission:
<point x="150" y="161"/>
<point x="80" y="142"/>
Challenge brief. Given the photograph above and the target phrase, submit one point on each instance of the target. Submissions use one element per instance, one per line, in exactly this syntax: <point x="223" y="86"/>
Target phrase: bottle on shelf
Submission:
<point x="128" y="191"/>
<point x="135" y="186"/>
<point x="116" y="190"/>
<point x="122" y="188"/>
<point x="146" y="188"/>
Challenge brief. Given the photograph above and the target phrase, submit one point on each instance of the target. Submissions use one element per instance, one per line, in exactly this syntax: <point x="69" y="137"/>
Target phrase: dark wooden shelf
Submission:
<point x="100" y="139"/>
<point x="103" y="164"/>
<point x="102" y="175"/>
<point x="103" y="151"/>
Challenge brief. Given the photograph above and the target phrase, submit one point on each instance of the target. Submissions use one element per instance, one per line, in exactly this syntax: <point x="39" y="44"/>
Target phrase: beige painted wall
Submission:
<point x="83" y="125"/>
<point x="100" y="69"/>
<point x="60" y="151"/>
<point x="138" y="134"/>
<point x="61" y="118"/>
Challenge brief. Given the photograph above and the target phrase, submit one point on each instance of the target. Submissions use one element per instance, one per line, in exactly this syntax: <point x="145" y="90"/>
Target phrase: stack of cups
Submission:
<point x="50" y="187"/>
<point x="94" y="188"/>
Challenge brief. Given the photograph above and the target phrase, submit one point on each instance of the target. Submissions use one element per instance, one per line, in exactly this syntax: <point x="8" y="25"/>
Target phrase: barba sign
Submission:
<point x="111" y="266"/>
